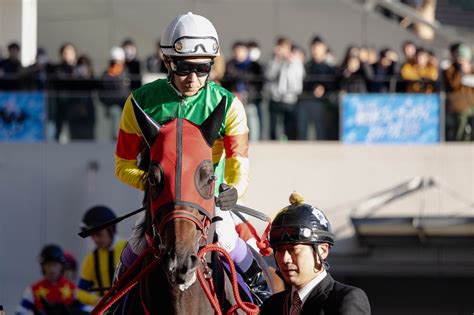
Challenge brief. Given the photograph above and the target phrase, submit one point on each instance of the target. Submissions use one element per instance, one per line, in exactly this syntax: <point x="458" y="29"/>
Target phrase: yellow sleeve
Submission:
<point x="87" y="298"/>
<point x="128" y="147"/>
<point x="236" y="145"/>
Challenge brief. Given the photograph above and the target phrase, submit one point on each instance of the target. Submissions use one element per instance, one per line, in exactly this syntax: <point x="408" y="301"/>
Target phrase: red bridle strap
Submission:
<point x="202" y="225"/>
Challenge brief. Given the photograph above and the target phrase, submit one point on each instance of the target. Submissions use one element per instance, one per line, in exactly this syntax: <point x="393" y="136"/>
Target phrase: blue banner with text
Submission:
<point x="22" y="116"/>
<point x="390" y="118"/>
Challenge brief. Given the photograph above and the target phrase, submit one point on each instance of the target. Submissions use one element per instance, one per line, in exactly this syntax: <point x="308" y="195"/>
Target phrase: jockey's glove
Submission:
<point x="227" y="198"/>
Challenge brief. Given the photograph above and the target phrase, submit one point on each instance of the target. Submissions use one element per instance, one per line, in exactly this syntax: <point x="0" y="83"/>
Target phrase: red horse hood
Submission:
<point x="182" y="152"/>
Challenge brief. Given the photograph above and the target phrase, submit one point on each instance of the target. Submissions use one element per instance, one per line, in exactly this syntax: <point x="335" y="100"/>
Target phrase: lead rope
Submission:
<point x="111" y="297"/>
<point x="247" y="307"/>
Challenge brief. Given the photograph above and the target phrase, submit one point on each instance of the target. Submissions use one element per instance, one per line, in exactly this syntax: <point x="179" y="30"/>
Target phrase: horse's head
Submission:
<point x="180" y="189"/>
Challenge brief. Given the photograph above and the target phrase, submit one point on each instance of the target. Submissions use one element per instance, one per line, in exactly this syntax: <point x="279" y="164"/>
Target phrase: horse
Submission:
<point x="179" y="200"/>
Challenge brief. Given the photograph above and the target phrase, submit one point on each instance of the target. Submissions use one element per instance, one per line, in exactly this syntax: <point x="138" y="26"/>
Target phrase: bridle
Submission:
<point x="202" y="224"/>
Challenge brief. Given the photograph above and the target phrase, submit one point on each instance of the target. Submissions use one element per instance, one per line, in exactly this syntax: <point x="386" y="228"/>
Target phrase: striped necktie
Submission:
<point x="296" y="304"/>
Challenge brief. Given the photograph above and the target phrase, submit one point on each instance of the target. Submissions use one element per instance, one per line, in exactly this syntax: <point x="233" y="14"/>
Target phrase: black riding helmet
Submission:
<point x="96" y="216"/>
<point x="51" y="253"/>
<point x="300" y="223"/>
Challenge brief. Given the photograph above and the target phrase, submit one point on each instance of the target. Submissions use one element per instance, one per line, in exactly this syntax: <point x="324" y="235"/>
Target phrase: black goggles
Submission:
<point x="185" y="68"/>
<point x="291" y="233"/>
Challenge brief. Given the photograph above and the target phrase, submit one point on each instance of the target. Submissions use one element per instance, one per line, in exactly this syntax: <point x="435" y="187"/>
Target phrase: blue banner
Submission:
<point x="22" y="116"/>
<point x="390" y="118"/>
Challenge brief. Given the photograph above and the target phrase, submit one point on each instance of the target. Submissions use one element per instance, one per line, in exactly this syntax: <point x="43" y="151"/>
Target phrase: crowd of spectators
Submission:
<point x="284" y="95"/>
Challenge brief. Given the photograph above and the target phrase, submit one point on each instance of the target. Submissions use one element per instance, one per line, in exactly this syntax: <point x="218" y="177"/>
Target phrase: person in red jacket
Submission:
<point x="53" y="290"/>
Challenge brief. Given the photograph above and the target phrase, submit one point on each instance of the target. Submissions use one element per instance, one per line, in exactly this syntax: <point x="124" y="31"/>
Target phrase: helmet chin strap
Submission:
<point x="323" y="262"/>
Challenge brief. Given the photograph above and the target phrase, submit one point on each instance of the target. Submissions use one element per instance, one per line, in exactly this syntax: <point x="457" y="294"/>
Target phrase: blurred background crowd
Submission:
<point x="399" y="72"/>
<point x="290" y="94"/>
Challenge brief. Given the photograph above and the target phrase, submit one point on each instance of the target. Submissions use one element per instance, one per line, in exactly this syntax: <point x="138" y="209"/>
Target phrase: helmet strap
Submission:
<point x="325" y="265"/>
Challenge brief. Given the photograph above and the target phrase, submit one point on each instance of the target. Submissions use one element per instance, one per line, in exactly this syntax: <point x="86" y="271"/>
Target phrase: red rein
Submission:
<point x="110" y="298"/>
<point x="247" y="307"/>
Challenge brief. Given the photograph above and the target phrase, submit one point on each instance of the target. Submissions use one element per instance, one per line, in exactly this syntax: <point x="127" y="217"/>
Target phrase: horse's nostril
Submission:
<point x="172" y="263"/>
<point x="184" y="269"/>
<point x="193" y="261"/>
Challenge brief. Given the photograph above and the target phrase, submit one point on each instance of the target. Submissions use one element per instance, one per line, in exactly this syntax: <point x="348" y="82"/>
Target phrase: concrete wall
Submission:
<point x="10" y="23"/>
<point x="45" y="189"/>
<point x="94" y="26"/>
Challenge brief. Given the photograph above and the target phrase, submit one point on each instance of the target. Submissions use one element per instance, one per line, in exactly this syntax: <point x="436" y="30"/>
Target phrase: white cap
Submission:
<point x="190" y="35"/>
<point x="117" y="54"/>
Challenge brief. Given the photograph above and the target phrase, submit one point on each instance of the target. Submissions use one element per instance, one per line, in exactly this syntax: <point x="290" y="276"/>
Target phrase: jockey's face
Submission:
<point x="52" y="270"/>
<point x="190" y="83"/>
<point x="102" y="239"/>
<point x="299" y="263"/>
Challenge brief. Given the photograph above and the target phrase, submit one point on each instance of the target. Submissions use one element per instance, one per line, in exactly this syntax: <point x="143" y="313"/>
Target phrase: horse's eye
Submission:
<point x="204" y="179"/>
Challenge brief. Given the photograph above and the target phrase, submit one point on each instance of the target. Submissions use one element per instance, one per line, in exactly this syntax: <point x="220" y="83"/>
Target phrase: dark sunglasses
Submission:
<point x="290" y="233"/>
<point x="185" y="68"/>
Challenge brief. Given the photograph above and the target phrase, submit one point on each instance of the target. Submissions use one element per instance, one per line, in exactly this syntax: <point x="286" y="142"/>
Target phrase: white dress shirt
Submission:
<point x="304" y="291"/>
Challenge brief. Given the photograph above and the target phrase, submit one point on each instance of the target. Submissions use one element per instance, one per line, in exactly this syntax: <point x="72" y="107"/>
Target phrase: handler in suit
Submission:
<point x="301" y="238"/>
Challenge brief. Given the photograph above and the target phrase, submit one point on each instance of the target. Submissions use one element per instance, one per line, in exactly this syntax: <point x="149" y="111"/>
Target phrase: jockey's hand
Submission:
<point x="227" y="198"/>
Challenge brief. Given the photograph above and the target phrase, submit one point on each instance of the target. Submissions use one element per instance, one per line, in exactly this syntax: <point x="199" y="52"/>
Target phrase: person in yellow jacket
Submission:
<point x="420" y="76"/>
<point x="98" y="266"/>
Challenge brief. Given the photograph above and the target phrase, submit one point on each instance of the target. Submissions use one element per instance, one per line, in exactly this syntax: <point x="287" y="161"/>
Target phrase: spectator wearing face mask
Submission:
<point x="254" y="55"/>
<point x="154" y="62"/>
<point x="318" y="89"/>
<point x="243" y="78"/>
<point x="460" y="94"/>
<point x="284" y="75"/>
<point x="115" y="87"/>
<point x="132" y="63"/>
<point x="36" y="75"/>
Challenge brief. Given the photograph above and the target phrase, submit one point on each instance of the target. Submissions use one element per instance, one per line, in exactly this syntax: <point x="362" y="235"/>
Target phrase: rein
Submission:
<point x="112" y="296"/>
<point x="115" y="294"/>
<point x="247" y="307"/>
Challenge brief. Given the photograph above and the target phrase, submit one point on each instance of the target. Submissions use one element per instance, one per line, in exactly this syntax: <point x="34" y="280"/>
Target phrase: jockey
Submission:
<point x="99" y="265"/>
<point x="53" y="290"/>
<point x="189" y="45"/>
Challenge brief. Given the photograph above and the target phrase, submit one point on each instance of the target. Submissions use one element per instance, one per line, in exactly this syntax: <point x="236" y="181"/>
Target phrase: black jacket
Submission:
<point x="329" y="297"/>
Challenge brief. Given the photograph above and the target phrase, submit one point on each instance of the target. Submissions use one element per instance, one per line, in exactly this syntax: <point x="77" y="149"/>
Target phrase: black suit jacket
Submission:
<point x="329" y="297"/>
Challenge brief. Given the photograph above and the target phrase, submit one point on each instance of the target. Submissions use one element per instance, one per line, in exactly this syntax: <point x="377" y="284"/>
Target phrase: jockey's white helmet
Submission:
<point x="190" y="35"/>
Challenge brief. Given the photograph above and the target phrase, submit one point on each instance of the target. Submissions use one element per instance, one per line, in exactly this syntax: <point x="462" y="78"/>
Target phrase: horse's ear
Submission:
<point x="210" y="127"/>
<point x="148" y="126"/>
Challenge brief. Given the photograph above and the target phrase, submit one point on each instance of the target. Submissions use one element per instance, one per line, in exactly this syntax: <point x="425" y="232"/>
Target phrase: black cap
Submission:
<point x="96" y="216"/>
<point x="300" y="223"/>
